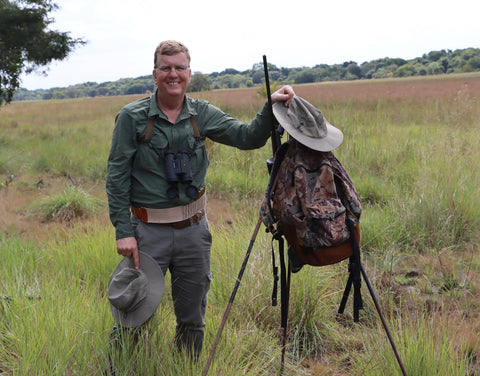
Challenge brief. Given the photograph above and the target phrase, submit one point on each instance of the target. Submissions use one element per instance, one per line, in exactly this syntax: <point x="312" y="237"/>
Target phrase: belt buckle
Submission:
<point x="193" y="220"/>
<point x="140" y="213"/>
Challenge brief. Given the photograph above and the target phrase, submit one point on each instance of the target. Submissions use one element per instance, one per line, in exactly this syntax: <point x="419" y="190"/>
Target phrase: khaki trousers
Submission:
<point x="186" y="254"/>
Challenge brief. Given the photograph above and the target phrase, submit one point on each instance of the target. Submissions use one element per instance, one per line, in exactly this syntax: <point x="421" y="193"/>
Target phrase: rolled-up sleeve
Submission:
<point x="222" y="128"/>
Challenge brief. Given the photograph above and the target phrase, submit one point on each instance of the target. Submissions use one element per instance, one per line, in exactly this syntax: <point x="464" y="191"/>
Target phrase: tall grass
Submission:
<point x="415" y="163"/>
<point x="69" y="137"/>
<point x="428" y="343"/>
<point x="72" y="203"/>
<point x="54" y="312"/>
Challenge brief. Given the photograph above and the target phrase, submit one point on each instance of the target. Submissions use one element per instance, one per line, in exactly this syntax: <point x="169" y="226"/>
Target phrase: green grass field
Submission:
<point x="412" y="149"/>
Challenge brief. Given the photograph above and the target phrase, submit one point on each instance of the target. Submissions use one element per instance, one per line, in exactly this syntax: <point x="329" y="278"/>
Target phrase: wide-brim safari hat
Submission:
<point x="307" y="125"/>
<point x="134" y="294"/>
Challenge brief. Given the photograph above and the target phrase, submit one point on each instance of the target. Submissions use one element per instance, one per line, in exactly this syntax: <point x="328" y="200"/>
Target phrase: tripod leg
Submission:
<point x="357" y="295"/>
<point x="346" y="293"/>
<point x="285" y="305"/>
<point x="384" y="322"/>
<point x="232" y="297"/>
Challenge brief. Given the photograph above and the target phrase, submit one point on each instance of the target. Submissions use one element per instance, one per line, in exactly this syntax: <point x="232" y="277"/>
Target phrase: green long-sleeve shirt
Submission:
<point x="136" y="174"/>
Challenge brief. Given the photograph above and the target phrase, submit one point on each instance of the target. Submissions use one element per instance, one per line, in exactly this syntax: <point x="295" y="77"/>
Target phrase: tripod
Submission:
<point x="355" y="269"/>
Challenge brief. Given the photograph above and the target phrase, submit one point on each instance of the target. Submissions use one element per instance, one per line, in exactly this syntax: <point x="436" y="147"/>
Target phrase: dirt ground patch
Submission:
<point x="19" y="215"/>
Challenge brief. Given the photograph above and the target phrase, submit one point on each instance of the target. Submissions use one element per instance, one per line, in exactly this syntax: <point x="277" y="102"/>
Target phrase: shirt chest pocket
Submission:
<point x="199" y="158"/>
<point x="150" y="155"/>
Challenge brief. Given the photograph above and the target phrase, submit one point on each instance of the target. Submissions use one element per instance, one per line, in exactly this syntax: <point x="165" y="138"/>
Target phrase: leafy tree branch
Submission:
<point x="26" y="42"/>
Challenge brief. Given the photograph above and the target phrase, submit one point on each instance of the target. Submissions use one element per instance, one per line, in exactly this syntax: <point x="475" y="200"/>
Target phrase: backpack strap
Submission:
<point x="356" y="274"/>
<point x="279" y="157"/>
<point x="148" y="133"/>
<point x="354" y="278"/>
<point x="275" y="278"/>
<point x="285" y="274"/>
<point x="196" y="132"/>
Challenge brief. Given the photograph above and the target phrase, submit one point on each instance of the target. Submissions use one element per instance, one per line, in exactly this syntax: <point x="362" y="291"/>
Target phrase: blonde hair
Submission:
<point x="169" y="48"/>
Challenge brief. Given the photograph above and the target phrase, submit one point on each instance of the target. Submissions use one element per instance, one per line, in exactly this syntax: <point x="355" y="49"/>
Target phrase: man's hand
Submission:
<point x="128" y="247"/>
<point x="284" y="94"/>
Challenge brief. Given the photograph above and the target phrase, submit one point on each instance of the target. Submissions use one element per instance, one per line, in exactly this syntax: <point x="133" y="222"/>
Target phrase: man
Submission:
<point x="156" y="177"/>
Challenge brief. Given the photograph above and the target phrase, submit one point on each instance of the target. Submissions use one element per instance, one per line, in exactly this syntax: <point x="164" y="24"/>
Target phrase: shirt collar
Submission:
<point x="188" y="109"/>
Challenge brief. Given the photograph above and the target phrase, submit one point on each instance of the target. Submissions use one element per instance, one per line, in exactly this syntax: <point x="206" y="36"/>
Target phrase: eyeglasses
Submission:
<point x="168" y="68"/>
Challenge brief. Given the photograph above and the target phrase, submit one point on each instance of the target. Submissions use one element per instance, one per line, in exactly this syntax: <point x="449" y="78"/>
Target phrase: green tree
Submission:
<point x="258" y="77"/>
<point x="199" y="82"/>
<point x="434" y="68"/>
<point x="229" y="71"/>
<point x="305" y="76"/>
<point x="405" y="70"/>
<point x="26" y="43"/>
<point x="354" y="70"/>
<point x="436" y="55"/>
<point x="474" y="62"/>
<point x="135" y="89"/>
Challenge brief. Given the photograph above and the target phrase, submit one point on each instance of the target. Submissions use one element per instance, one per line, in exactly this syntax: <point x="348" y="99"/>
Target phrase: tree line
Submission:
<point x="432" y="63"/>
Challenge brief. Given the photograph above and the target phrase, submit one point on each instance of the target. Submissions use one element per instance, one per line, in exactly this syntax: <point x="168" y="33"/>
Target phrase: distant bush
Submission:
<point x="70" y="204"/>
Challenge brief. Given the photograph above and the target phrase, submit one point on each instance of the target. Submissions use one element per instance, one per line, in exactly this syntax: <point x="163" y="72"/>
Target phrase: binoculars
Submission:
<point x="178" y="169"/>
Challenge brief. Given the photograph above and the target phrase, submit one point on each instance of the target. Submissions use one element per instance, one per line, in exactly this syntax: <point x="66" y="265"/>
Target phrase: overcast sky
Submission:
<point x="122" y="34"/>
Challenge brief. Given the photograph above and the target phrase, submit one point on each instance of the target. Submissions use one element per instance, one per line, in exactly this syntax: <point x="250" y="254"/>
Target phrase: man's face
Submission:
<point x="172" y="74"/>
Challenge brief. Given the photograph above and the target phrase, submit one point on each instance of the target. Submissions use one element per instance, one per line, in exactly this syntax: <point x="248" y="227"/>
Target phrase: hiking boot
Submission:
<point x="119" y="337"/>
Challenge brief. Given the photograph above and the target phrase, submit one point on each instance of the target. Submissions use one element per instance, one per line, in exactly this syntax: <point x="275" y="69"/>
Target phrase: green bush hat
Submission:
<point x="307" y="125"/>
<point x="134" y="294"/>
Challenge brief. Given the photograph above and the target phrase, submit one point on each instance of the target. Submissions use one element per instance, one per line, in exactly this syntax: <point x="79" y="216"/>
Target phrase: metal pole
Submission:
<point x="276" y="141"/>
<point x="232" y="297"/>
<point x="384" y="322"/>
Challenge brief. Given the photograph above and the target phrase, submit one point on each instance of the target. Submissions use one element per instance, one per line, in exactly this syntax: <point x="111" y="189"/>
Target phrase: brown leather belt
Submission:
<point x="141" y="213"/>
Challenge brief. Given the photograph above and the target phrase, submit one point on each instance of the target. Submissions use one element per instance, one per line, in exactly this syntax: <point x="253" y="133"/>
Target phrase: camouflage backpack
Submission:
<point x="312" y="202"/>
